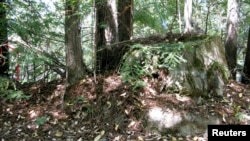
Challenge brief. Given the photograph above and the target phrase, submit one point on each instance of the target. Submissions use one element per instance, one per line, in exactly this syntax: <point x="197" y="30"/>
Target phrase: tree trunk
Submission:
<point x="188" y="16"/>
<point x="75" y="68"/>
<point x="106" y="33"/>
<point x="125" y="20"/>
<point x="179" y="14"/>
<point x="231" y="39"/>
<point x="207" y="16"/>
<point x="4" y="50"/>
<point x="246" y="68"/>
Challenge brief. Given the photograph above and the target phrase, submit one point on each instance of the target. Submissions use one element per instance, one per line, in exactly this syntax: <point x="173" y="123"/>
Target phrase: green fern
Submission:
<point x="141" y="60"/>
<point x="10" y="94"/>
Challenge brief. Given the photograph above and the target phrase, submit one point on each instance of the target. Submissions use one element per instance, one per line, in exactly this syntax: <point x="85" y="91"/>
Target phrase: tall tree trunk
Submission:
<point x="179" y="14"/>
<point x="188" y="16"/>
<point x="106" y="32"/>
<point x="106" y="22"/>
<point x="75" y="68"/>
<point x="4" y="50"/>
<point x="246" y="68"/>
<point x="207" y="16"/>
<point x="125" y="20"/>
<point x="231" y="38"/>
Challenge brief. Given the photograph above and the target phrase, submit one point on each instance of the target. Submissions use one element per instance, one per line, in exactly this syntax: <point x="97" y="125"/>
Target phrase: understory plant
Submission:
<point x="142" y="60"/>
<point x="8" y="91"/>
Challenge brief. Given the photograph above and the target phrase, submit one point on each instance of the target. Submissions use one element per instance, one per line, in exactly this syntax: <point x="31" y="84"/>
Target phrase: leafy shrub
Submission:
<point x="10" y="94"/>
<point x="142" y="60"/>
<point x="41" y="120"/>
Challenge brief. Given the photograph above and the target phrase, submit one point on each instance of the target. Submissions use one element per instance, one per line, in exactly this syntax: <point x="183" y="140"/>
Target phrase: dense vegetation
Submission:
<point x="87" y="67"/>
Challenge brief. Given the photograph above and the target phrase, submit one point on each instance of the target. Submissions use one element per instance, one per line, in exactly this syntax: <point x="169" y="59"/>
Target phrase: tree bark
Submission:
<point x="246" y="68"/>
<point x="231" y="38"/>
<point x="106" y="33"/>
<point x="179" y="14"/>
<point x="75" y="68"/>
<point x="106" y="22"/>
<point x="4" y="50"/>
<point x="188" y="16"/>
<point x="125" y="20"/>
<point x="207" y="16"/>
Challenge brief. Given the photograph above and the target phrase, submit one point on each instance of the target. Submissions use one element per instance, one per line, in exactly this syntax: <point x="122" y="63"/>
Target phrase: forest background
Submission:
<point x="36" y="30"/>
<point x="59" y="44"/>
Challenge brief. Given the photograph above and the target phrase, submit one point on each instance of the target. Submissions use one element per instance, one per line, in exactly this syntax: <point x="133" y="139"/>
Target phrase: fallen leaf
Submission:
<point x="123" y="94"/>
<point x="58" y="134"/>
<point x="82" y="81"/>
<point x="180" y="139"/>
<point x="139" y="138"/>
<point x="35" y="134"/>
<point x="223" y="118"/>
<point x="126" y="112"/>
<point x="225" y="100"/>
<point x="116" y="127"/>
<point x="97" y="138"/>
<point x="131" y="124"/>
<point x="195" y="138"/>
<point x="80" y="139"/>
<point x="109" y="104"/>
<point x="173" y="139"/>
<point x="240" y="95"/>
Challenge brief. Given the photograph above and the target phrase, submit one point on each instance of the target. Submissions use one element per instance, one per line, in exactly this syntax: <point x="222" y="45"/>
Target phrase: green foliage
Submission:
<point x="142" y="60"/>
<point x="155" y="16"/>
<point x="41" y="120"/>
<point x="36" y="33"/>
<point x="10" y="94"/>
<point x="238" y="114"/>
<point x="81" y="98"/>
<point x="145" y="17"/>
<point x="4" y="83"/>
<point x="38" y="28"/>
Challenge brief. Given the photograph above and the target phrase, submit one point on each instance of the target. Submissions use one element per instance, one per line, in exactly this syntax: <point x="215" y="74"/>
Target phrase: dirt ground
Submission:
<point x="109" y="110"/>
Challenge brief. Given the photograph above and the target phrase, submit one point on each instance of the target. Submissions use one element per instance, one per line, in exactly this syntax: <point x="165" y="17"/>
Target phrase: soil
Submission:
<point x="109" y="109"/>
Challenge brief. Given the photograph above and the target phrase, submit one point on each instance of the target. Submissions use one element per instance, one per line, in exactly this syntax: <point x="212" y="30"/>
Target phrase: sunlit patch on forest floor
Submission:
<point x="111" y="110"/>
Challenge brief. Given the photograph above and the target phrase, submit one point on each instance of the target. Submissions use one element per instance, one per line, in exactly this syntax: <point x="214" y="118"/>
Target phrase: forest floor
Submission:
<point x="109" y="110"/>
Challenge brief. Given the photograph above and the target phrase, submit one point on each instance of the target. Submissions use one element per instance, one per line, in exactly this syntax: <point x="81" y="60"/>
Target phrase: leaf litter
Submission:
<point x="111" y="110"/>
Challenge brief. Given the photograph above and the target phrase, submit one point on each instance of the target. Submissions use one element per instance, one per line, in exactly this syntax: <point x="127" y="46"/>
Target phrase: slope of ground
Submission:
<point x="110" y="110"/>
